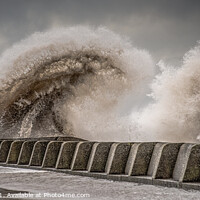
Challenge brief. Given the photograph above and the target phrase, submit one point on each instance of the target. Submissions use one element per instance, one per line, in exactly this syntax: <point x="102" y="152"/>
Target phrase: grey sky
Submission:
<point x="167" y="28"/>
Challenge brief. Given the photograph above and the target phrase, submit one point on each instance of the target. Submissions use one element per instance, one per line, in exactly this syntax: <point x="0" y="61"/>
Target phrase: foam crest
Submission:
<point x="74" y="80"/>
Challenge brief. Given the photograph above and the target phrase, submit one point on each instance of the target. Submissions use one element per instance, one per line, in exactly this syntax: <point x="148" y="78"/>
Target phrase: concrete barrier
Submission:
<point x="81" y="155"/>
<point x="164" y="164"/>
<point x="66" y="155"/>
<point x="4" y="150"/>
<point x="117" y="158"/>
<point x="26" y="151"/>
<point x="163" y="160"/>
<point x="139" y="159"/>
<point x="38" y="153"/>
<point x="187" y="168"/>
<point x="51" y="154"/>
<point x="14" y="152"/>
<point x="99" y="157"/>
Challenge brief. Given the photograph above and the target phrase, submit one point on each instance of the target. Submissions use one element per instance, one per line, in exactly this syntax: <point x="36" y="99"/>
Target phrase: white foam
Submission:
<point x="105" y="107"/>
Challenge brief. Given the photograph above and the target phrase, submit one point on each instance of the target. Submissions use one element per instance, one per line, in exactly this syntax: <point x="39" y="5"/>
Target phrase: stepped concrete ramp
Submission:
<point x="165" y="164"/>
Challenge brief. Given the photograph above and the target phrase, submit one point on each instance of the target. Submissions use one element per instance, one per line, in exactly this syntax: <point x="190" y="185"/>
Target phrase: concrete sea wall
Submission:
<point x="165" y="164"/>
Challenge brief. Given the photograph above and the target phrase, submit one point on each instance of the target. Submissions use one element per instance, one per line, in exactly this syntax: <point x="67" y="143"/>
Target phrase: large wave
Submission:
<point x="93" y="84"/>
<point x="72" y="81"/>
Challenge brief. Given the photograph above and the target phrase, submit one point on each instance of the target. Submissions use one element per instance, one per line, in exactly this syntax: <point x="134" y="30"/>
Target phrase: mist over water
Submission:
<point x="93" y="84"/>
<point x="175" y="113"/>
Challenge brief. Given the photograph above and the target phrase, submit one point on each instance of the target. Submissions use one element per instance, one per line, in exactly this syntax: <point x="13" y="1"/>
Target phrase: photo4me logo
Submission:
<point x="43" y="195"/>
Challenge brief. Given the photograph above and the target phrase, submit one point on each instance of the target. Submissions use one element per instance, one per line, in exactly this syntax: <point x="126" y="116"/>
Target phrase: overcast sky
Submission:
<point x="166" y="28"/>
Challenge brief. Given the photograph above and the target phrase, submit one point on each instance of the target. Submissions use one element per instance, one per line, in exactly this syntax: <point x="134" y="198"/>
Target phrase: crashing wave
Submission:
<point x="72" y="81"/>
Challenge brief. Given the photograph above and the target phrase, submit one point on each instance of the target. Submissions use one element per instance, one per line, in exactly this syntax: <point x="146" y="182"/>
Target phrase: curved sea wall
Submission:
<point x="165" y="164"/>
